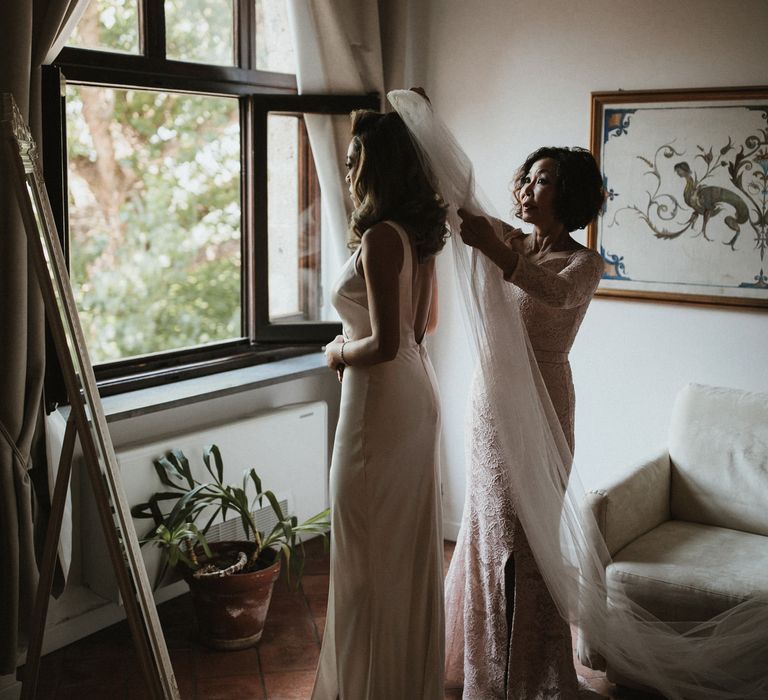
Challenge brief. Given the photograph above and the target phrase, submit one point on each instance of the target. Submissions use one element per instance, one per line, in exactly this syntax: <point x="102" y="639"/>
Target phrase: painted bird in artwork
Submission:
<point x="706" y="201"/>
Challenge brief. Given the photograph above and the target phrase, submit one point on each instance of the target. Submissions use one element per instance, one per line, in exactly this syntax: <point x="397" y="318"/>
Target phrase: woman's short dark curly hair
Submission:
<point x="391" y="183"/>
<point x="580" y="192"/>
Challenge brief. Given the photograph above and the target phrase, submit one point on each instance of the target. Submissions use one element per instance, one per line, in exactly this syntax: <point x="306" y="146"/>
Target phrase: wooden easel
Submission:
<point x="86" y="421"/>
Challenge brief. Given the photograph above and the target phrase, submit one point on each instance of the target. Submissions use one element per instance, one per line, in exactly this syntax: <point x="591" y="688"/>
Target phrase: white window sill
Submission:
<point x="190" y="391"/>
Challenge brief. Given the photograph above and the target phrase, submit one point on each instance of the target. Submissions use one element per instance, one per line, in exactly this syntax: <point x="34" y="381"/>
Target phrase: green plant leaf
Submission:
<point x="165" y="469"/>
<point x="275" y="505"/>
<point x="214" y="450"/>
<point x="256" y="483"/>
<point x="177" y="531"/>
<point x="177" y="458"/>
<point x="211" y="519"/>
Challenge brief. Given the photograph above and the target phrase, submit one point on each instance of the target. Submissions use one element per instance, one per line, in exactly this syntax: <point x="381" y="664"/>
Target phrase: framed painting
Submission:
<point x="686" y="213"/>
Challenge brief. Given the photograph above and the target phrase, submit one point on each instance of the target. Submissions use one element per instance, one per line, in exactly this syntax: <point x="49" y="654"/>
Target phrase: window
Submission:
<point x="185" y="188"/>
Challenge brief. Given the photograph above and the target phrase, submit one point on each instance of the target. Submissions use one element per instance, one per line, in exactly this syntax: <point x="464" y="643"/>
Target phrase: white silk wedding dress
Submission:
<point x="384" y="628"/>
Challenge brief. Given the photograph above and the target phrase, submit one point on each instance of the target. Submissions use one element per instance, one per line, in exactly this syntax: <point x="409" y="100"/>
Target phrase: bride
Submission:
<point x="384" y="633"/>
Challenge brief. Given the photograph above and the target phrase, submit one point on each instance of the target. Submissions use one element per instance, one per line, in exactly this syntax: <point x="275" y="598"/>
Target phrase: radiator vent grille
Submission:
<point x="232" y="529"/>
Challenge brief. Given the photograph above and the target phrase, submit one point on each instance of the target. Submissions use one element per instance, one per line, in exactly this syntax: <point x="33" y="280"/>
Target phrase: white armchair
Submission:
<point x="688" y="530"/>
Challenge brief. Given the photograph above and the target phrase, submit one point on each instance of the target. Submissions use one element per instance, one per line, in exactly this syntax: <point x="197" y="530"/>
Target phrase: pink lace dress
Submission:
<point x="504" y="636"/>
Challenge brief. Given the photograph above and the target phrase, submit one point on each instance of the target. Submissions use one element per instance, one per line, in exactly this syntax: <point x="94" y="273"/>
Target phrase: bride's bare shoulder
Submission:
<point x="382" y="241"/>
<point x="379" y="233"/>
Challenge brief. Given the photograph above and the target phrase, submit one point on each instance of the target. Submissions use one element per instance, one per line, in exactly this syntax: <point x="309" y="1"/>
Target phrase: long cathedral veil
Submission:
<point x="722" y="658"/>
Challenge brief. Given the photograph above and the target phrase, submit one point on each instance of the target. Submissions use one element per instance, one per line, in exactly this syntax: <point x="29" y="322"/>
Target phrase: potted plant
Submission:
<point x="230" y="582"/>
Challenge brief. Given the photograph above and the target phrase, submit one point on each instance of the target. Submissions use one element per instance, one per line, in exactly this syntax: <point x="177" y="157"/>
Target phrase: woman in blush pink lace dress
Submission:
<point x="505" y="637"/>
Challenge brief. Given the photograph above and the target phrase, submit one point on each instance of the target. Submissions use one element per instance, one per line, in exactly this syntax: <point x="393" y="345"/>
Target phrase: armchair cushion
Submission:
<point x="718" y="447"/>
<point x="683" y="571"/>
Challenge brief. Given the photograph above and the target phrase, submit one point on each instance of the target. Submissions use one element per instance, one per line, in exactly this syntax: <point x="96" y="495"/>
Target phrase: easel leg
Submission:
<point x="150" y="660"/>
<point x="17" y="147"/>
<point x="48" y="565"/>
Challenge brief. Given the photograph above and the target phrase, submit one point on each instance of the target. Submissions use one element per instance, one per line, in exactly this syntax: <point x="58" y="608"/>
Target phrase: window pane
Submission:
<point x="296" y="280"/>
<point x="200" y="31"/>
<point x="274" y="41"/>
<point x="154" y="217"/>
<point x="108" y="25"/>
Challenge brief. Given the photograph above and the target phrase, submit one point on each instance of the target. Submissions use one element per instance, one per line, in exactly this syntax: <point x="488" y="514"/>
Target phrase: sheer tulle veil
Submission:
<point x="725" y="657"/>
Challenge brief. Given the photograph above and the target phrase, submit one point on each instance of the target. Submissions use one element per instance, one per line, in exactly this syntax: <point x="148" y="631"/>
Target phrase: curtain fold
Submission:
<point x="338" y="50"/>
<point x="29" y="32"/>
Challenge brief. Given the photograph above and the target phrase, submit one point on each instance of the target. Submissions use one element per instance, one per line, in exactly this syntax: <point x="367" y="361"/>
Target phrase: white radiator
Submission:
<point x="287" y="447"/>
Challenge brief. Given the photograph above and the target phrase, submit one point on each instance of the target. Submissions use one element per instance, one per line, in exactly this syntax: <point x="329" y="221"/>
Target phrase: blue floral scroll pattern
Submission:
<point x="616" y="262"/>
<point x="761" y="282"/>
<point x="616" y="122"/>
<point x="610" y="194"/>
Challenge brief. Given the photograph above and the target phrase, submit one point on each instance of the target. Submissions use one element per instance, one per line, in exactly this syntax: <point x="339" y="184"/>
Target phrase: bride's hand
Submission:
<point x="475" y="231"/>
<point x="333" y="352"/>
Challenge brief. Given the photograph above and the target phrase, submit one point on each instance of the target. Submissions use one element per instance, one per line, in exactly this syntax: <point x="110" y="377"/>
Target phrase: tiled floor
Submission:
<point x="281" y="667"/>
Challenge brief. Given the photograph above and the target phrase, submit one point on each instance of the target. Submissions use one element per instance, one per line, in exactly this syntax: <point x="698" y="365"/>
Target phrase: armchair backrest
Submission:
<point x="718" y="448"/>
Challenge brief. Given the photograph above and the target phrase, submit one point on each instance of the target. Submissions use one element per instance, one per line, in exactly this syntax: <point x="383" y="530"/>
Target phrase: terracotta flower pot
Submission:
<point x="231" y="610"/>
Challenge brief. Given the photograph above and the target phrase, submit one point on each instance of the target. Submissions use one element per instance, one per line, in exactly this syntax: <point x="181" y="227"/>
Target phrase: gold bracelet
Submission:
<point x="343" y="361"/>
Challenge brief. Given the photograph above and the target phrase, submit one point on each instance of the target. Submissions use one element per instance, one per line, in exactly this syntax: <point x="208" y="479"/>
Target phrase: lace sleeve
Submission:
<point x="573" y="286"/>
<point x="508" y="231"/>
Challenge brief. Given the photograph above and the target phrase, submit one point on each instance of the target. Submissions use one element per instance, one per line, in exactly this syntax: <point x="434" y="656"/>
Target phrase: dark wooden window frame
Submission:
<point x="260" y="93"/>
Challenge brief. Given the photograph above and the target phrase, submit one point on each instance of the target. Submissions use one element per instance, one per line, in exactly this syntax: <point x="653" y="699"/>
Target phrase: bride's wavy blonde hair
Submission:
<point x="390" y="182"/>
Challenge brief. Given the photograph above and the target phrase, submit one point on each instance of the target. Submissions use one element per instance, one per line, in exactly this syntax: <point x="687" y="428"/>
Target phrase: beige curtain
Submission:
<point x="29" y="32"/>
<point x="338" y="50"/>
<point x="345" y="47"/>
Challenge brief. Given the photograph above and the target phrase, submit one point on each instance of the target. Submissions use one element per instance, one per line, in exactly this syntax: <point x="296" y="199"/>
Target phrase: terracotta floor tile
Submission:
<point x="317" y="560"/>
<point x="48" y="675"/>
<point x="319" y="626"/>
<point x="226" y="688"/>
<point x="315" y="586"/>
<point x="216" y="664"/>
<point x="183" y="662"/>
<point x="318" y="607"/>
<point x="295" y="685"/>
<point x="301" y="629"/>
<point x="136" y="689"/>
<point x="103" y="672"/>
<point x="290" y="656"/>
<point x="106" y="648"/>
<point x="283" y="587"/>
<point x="286" y="610"/>
<point x="88" y="693"/>
<point x="181" y="638"/>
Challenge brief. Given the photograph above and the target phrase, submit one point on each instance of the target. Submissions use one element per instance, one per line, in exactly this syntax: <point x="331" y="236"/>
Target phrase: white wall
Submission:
<point x="510" y="76"/>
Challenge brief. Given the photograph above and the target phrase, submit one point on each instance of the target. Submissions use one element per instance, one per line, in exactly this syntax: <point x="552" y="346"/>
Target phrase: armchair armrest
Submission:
<point x="624" y="510"/>
<point x="633" y="505"/>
